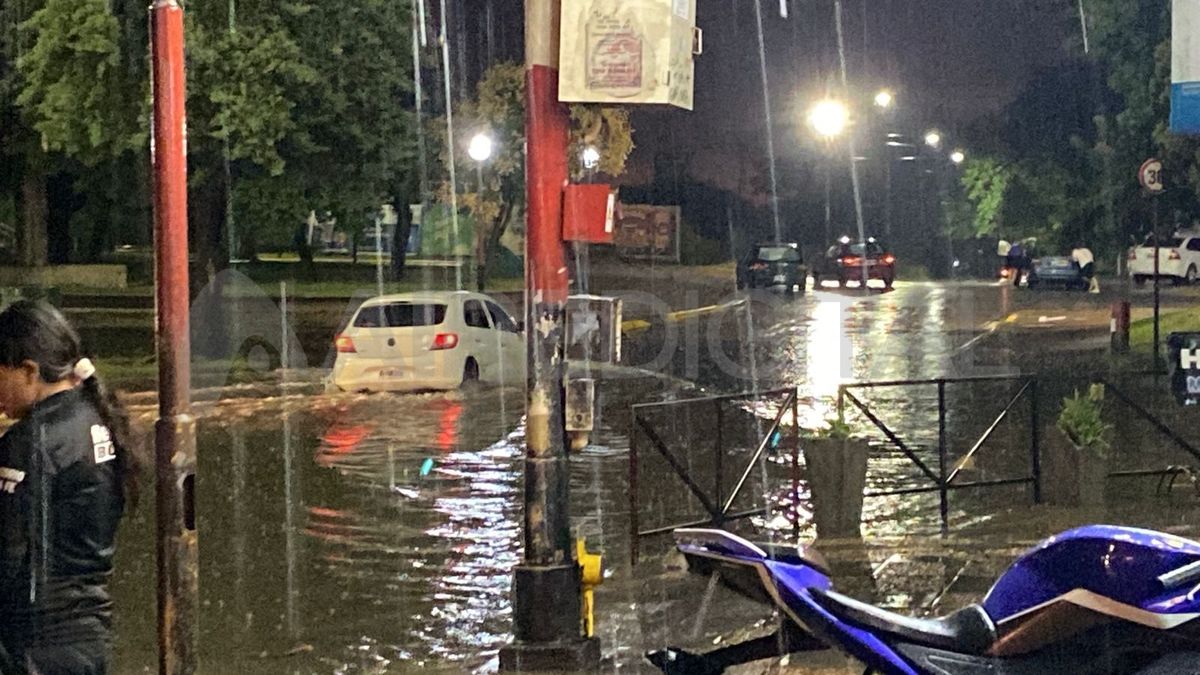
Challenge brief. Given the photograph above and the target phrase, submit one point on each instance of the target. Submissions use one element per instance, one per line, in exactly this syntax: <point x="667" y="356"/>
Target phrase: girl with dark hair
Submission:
<point x="67" y="472"/>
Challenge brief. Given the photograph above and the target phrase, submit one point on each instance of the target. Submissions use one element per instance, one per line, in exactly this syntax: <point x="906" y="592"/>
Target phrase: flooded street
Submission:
<point x="372" y="534"/>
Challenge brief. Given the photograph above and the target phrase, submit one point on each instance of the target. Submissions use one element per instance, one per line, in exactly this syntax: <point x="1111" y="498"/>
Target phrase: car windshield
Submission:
<point x="874" y="249"/>
<point x="400" y="315"/>
<point x="778" y="254"/>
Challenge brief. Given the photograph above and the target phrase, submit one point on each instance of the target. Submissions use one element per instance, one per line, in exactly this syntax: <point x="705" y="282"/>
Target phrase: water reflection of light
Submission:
<point x="451" y="410"/>
<point x="827" y="356"/>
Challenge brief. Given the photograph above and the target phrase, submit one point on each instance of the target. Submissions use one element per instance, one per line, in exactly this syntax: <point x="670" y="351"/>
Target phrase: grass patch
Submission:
<point x="1141" y="332"/>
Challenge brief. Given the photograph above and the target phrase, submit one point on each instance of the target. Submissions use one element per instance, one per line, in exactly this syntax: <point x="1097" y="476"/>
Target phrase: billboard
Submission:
<point x="1185" y="67"/>
<point x="628" y="51"/>
<point x="648" y="232"/>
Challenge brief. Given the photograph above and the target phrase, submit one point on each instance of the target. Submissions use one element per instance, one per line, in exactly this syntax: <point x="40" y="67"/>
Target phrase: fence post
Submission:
<point x="1035" y="450"/>
<point x="719" y="460"/>
<point x="943" y="490"/>
<point x="634" y="523"/>
<point x="796" y="464"/>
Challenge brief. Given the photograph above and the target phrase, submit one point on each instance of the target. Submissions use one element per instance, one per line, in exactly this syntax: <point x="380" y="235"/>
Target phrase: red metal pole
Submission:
<point x="175" y="440"/>
<point x="547" y="586"/>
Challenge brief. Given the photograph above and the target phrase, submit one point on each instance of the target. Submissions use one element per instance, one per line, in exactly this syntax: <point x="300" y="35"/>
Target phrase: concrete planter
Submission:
<point x="837" y="476"/>
<point x="1077" y="476"/>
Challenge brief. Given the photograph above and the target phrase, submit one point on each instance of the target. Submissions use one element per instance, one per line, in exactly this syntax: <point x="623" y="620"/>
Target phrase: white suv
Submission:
<point x="1178" y="259"/>
<point x="439" y="340"/>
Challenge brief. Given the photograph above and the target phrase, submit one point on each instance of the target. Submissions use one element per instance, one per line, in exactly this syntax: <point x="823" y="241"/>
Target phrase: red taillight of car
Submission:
<point x="444" y="341"/>
<point x="1173" y="255"/>
<point x="758" y="266"/>
<point x="850" y="261"/>
<point x="1133" y="254"/>
<point x="889" y="259"/>
<point x="344" y="344"/>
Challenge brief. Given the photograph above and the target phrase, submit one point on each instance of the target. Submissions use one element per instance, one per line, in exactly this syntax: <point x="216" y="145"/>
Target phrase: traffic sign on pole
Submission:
<point x="1150" y="176"/>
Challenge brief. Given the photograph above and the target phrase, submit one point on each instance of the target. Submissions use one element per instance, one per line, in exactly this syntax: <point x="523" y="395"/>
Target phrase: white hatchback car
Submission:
<point x="436" y="340"/>
<point x="1178" y="259"/>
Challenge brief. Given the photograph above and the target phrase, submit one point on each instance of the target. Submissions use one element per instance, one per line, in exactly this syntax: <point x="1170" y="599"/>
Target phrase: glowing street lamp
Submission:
<point x="480" y="148"/>
<point x="884" y="99"/>
<point x="933" y="139"/>
<point x="590" y="157"/>
<point x="829" y="118"/>
<point x="958" y="157"/>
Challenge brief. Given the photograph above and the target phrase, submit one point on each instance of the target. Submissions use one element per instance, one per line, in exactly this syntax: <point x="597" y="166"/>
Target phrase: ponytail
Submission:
<point x="128" y="462"/>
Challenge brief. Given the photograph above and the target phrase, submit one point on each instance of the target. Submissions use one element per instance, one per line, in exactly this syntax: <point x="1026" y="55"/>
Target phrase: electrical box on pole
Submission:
<point x="628" y="51"/>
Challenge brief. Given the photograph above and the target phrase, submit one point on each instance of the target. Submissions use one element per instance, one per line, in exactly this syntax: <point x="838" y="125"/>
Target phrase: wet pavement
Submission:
<point x="371" y="534"/>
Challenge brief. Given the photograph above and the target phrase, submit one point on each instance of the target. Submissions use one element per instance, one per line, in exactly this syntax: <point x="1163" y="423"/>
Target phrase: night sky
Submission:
<point x="949" y="62"/>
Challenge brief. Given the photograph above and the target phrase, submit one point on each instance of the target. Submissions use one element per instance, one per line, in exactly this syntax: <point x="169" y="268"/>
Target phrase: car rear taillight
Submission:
<point x="850" y="261"/>
<point x="1133" y="254"/>
<point x="444" y="341"/>
<point x="758" y="266"/>
<point x="1173" y="255"/>
<point x="344" y="344"/>
<point x="889" y="259"/>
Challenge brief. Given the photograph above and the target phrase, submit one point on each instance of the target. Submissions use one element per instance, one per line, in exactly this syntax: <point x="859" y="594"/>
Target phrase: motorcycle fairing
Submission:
<point x="1113" y="571"/>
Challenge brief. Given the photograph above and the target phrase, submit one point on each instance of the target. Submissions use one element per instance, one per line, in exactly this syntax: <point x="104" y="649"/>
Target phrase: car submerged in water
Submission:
<point x="428" y="341"/>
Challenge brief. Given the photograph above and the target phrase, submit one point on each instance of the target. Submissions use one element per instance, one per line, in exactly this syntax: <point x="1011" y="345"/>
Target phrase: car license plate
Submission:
<point x="391" y="373"/>
<point x="780" y="278"/>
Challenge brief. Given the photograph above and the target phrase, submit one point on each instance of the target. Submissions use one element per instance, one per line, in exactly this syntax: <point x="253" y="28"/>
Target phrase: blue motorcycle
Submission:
<point x="1098" y="599"/>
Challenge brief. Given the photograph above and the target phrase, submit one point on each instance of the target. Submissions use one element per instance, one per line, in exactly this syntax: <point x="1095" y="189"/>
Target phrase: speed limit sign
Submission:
<point x="1150" y="176"/>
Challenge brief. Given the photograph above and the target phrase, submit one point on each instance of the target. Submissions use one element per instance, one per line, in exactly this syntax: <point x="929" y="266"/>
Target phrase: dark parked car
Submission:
<point x="773" y="266"/>
<point x="844" y="262"/>
<point x="1056" y="271"/>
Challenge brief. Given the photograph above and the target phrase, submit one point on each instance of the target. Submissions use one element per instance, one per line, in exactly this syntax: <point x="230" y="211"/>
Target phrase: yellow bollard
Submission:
<point x="592" y="568"/>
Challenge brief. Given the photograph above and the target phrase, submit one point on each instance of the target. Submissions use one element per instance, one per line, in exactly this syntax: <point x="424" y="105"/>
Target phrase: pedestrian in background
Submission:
<point x="66" y="474"/>
<point x="1017" y="261"/>
<point x="1083" y="257"/>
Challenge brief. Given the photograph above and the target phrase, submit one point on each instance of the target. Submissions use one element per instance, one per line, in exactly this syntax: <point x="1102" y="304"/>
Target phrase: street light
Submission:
<point x="884" y="99"/>
<point x="958" y="157"/>
<point x="829" y="118"/>
<point x="590" y="157"/>
<point x="480" y="148"/>
<point x="933" y="139"/>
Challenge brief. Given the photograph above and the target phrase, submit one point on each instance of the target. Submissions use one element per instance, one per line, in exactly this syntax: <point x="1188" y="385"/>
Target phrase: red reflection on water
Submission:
<point x="341" y="439"/>
<point x="451" y="411"/>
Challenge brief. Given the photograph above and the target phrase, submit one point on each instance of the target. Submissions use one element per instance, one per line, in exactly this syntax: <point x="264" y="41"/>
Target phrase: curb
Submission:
<point x="638" y="325"/>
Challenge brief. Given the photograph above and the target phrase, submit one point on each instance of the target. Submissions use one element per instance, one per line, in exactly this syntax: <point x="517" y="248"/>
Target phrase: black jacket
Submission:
<point x="60" y="502"/>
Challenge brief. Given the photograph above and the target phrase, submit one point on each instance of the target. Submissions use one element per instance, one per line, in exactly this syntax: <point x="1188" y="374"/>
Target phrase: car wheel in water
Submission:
<point x="470" y="371"/>
<point x="1140" y="279"/>
<point x="1191" y="275"/>
<point x="1031" y="281"/>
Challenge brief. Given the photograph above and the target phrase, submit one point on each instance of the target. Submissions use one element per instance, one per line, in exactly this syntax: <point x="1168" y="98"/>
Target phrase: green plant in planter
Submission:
<point x="1081" y="421"/>
<point x="835" y="428"/>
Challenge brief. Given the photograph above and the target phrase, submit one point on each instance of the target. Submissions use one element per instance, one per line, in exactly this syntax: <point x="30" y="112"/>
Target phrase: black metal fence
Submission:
<point x="943" y="480"/>
<point x="717" y="504"/>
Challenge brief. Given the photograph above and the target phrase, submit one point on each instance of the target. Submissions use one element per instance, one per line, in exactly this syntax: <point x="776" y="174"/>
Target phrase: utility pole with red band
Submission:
<point x="547" y="586"/>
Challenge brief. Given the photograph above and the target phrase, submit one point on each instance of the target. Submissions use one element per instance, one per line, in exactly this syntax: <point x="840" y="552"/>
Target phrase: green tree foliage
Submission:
<point x="498" y="110"/>
<point x="76" y="93"/>
<point x="292" y="107"/>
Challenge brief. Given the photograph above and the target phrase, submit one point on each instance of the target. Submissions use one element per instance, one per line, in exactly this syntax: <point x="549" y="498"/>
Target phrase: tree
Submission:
<point x="498" y="110"/>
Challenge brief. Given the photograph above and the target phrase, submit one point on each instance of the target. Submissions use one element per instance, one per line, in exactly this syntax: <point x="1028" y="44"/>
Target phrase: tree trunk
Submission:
<point x="206" y="223"/>
<point x="400" y="236"/>
<point x="499" y="226"/>
<point x="33" y="236"/>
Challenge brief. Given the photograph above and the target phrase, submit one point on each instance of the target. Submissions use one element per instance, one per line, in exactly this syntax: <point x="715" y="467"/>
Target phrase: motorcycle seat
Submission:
<point x="967" y="631"/>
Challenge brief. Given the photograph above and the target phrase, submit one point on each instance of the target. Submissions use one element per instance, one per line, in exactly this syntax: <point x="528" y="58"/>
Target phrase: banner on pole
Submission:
<point x="628" y="51"/>
<point x="1185" y="67"/>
